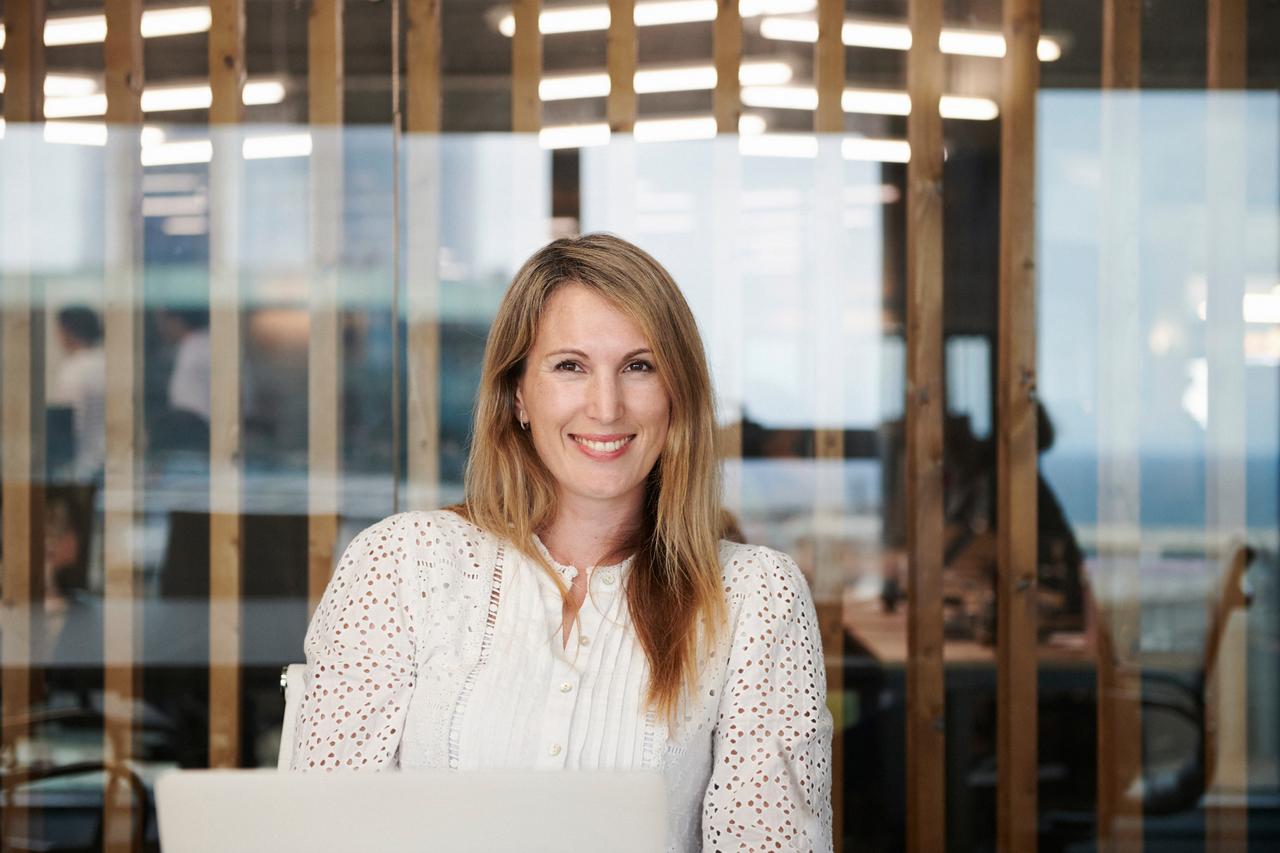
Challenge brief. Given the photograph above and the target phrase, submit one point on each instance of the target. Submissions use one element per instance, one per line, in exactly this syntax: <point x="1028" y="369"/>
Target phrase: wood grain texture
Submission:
<point x="1228" y="40"/>
<point x="726" y="49"/>
<point x="226" y="61"/>
<point x="1121" y="44"/>
<point x="424" y="98"/>
<point x="122" y="483"/>
<point x="324" y="345"/>
<point x="122" y="61"/>
<point x="1016" y="736"/>
<point x="526" y="67"/>
<point x="926" y="697"/>
<point x="620" y="57"/>
<point x="24" y="61"/>
<point x="829" y="67"/>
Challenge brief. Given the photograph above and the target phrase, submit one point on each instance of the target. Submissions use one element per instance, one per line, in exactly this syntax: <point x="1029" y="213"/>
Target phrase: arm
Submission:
<point x="360" y="656"/>
<point x="770" y="786"/>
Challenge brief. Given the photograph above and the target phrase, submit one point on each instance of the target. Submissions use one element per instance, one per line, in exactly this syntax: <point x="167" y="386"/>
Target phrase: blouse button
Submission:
<point x="565" y="687"/>
<point x="554" y="750"/>
<point x="608" y="580"/>
<point x="583" y="640"/>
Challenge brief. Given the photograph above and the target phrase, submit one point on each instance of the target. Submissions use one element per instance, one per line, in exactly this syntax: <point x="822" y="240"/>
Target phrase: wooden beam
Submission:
<point x="1016" y="746"/>
<point x="1118" y="623"/>
<point x="226" y="77"/>
<point x="122" y="301"/>
<point x="620" y="53"/>
<point x="1228" y="43"/>
<point x="1121" y="44"/>
<point x="22" y="413"/>
<point x="726" y="47"/>
<point x="324" y="348"/>
<point x="24" y="62"/>
<point x="526" y="67"/>
<point x="926" y="695"/>
<point x="422" y="43"/>
<point x="829" y="66"/>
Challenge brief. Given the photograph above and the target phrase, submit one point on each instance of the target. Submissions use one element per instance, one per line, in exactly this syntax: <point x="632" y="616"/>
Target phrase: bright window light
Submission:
<point x="75" y="133"/>
<point x="565" y="87"/>
<point x="161" y="99"/>
<point x="157" y="23"/>
<point x="889" y="36"/>
<point x="779" y="145"/>
<point x="580" y="19"/>
<point x="874" y="102"/>
<point x="157" y="99"/>
<point x="82" y="106"/>
<point x="974" y="109"/>
<point x="675" y="79"/>
<point x="274" y="147"/>
<point x="574" y="136"/>
<point x="646" y="130"/>
<point x="867" y="102"/>
<point x="263" y="92"/>
<point x="674" y="129"/>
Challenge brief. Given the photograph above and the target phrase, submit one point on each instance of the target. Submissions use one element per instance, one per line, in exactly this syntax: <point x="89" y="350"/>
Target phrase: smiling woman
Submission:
<point x="581" y="601"/>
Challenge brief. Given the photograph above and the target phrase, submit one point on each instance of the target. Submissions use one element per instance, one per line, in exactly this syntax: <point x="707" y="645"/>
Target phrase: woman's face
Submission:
<point x="596" y="408"/>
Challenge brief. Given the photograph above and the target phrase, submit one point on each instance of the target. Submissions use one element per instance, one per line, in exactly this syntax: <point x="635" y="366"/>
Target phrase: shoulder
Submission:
<point x="438" y="530"/>
<point x="760" y="572"/>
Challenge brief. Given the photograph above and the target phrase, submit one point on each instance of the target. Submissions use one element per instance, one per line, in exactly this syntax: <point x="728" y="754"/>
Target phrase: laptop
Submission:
<point x="427" y="810"/>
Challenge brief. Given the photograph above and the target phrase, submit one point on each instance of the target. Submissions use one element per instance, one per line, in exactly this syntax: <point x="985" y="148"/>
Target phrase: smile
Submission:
<point x="606" y="446"/>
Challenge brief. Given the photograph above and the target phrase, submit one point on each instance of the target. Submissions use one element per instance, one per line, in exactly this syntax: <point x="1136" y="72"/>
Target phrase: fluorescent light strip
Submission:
<point x="75" y="133"/>
<point x="163" y="99"/>
<point x="178" y="153"/>
<point x="62" y="85"/>
<point x="805" y="145"/>
<point x="867" y="102"/>
<point x="92" y="29"/>
<point x="273" y="147"/>
<point x="582" y="19"/>
<point x="689" y="78"/>
<point x="648" y="130"/>
<point x="858" y="33"/>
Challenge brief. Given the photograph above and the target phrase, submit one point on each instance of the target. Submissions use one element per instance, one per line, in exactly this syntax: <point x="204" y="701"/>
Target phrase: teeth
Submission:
<point x="601" y="446"/>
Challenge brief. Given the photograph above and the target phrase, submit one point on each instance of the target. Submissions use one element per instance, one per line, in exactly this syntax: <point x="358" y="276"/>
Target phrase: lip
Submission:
<point x="596" y="454"/>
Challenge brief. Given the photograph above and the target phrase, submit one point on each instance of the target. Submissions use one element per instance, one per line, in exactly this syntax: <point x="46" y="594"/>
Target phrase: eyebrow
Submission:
<point x="580" y="354"/>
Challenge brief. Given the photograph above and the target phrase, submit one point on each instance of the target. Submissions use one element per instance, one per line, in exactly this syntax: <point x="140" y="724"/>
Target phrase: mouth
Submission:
<point x="603" y="446"/>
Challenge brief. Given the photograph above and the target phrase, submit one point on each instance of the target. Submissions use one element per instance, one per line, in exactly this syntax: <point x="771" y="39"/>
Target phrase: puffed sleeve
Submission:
<point x="770" y="786"/>
<point x="360" y="655"/>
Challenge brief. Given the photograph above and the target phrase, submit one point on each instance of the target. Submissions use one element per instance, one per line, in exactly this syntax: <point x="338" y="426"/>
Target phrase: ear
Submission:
<point x="519" y="396"/>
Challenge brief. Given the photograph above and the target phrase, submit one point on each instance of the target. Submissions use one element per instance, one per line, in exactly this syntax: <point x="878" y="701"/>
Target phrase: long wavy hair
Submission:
<point x="674" y="592"/>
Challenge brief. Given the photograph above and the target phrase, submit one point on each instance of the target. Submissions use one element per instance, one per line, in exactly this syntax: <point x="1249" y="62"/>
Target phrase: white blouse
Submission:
<point x="438" y="644"/>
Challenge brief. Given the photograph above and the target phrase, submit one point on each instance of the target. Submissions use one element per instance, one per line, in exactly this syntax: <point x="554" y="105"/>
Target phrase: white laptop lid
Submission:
<point x="436" y="810"/>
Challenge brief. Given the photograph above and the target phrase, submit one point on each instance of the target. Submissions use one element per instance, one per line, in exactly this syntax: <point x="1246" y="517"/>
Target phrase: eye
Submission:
<point x="569" y="366"/>
<point x="639" y="366"/>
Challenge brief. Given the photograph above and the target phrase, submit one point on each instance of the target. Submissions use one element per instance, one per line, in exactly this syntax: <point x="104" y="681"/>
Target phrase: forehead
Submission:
<point x="580" y="318"/>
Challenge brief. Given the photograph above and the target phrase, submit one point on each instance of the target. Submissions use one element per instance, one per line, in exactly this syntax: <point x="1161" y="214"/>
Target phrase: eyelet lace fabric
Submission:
<point x="436" y="645"/>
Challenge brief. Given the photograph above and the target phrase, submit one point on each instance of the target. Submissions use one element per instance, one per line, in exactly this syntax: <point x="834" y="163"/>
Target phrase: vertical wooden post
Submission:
<point x="926" y="696"/>
<point x="226" y="78"/>
<point x="1118" y="595"/>
<point x="620" y="53"/>
<point x="1016" y="736"/>
<point x="526" y="67"/>
<point x="22" y="377"/>
<point x="726" y="47"/>
<point x="123" y="63"/>
<point x="324" y="348"/>
<point x="1226" y="687"/>
<point x="422" y="251"/>
<point x="829" y="66"/>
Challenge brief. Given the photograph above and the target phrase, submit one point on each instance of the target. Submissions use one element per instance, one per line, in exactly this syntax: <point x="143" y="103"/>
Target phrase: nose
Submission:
<point x="604" y="397"/>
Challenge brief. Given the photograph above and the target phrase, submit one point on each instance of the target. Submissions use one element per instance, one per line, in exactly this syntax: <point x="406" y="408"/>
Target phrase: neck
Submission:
<point x="586" y="534"/>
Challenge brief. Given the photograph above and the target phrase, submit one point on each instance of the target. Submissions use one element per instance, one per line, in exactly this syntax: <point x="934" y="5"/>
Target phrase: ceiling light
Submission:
<point x="887" y="36"/>
<point x="91" y="29"/>
<point x="674" y="129"/>
<point x="273" y="147"/>
<point x="75" y="133"/>
<point x="574" y="136"/>
<point x="806" y="145"/>
<point x="647" y="130"/>
<point x="178" y="153"/>
<point x="579" y="19"/>
<point x="163" y="99"/>
<point x="867" y="101"/>
<point x="689" y="78"/>
<point x="876" y="150"/>
<point x="60" y="85"/>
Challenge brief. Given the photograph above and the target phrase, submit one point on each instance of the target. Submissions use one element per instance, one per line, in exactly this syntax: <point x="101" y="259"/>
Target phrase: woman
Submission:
<point x="578" y="610"/>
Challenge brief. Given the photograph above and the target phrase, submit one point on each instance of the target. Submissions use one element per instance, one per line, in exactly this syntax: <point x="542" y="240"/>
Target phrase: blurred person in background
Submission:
<point x="80" y="385"/>
<point x="582" y="609"/>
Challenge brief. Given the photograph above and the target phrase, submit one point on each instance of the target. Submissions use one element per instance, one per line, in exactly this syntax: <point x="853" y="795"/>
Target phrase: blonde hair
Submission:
<point x="674" y="592"/>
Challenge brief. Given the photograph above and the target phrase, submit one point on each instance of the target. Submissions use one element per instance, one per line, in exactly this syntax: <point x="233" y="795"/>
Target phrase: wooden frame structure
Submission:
<point x="1016" y="693"/>
<point x="925" y="404"/>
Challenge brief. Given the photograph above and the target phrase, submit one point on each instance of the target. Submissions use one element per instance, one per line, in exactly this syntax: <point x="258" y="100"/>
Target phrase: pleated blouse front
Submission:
<point x="439" y="645"/>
